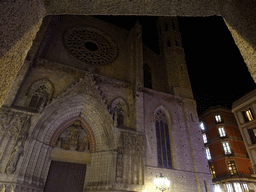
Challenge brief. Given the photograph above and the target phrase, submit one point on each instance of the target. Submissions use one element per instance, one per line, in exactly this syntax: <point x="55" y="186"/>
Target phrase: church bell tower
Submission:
<point x="173" y="55"/>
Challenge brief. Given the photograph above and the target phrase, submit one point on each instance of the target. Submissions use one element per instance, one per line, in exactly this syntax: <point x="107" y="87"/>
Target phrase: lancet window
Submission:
<point x="163" y="140"/>
<point x="147" y="76"/>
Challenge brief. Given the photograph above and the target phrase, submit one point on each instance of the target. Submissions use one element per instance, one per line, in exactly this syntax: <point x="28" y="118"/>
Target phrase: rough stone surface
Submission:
<point x="133" y="7"/>
<point x="240" y="20"/>
<point x="13" y="59"/>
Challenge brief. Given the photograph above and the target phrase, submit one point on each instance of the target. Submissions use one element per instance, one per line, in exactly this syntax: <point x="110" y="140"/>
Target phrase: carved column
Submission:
<point x="130" y="161"/>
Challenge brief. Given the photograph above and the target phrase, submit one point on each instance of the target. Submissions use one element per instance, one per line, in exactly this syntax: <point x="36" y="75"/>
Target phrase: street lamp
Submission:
<point x="162" y="183"/>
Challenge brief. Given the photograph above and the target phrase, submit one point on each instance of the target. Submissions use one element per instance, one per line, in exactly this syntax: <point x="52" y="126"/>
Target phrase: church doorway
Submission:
<point x="65" y="177"/>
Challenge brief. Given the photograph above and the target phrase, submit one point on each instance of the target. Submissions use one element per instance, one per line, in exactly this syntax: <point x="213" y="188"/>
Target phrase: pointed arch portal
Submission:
<point x="73" y="133"/>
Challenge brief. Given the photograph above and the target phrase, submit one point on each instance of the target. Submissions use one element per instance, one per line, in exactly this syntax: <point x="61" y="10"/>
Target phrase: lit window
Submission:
<point x="218" y="118"/>
<point x="204" y="138"/>
<point x="232" y="168"/>
<point x="229" y="187"/>
<point x="202" y="126"/>
<point x="222" y="132"/>
<point x="208" y="154"/>
<point x="246" y="188"/>
<point x="237" y="187"/>
<point x="226" y="147"/>
<point x="217" y="188"/>
<point x="212" y="171"/>
<point x="248" y="115"/>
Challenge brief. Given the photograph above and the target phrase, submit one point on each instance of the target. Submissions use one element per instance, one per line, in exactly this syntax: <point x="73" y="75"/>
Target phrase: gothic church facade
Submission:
<point x="93" y="109"/>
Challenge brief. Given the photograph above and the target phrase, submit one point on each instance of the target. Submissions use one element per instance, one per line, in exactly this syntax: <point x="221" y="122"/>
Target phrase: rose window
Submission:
<point x="90" y="46"/>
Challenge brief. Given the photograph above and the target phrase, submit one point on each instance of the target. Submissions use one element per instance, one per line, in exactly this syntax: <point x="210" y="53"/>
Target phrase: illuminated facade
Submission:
<point x="229" y="163"/>
<point x="244" y="110"/>
<point x="93" y="109"/>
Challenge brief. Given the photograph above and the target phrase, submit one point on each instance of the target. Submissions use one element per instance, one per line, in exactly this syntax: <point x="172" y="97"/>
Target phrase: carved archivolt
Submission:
<point x="130" y="159"/>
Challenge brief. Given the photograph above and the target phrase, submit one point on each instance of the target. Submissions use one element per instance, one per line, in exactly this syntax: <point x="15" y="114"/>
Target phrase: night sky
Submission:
<point x="216" y="68"/>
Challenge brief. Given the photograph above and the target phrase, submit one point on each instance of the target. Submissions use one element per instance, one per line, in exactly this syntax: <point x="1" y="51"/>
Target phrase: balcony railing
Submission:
<point x="238" y="175"/>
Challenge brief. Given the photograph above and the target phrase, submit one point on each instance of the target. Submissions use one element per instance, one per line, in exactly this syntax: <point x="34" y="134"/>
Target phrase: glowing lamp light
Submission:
<point x="162" y="183"/>
<point x="217" y="188"/>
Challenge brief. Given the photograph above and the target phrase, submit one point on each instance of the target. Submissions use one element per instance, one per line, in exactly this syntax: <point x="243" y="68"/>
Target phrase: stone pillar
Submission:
<point x="12" y="60"/>
<point x="240" y="19"/>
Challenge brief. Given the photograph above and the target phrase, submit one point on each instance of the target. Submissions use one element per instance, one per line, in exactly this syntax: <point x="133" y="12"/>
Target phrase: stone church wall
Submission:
<point x="114" y="111"/>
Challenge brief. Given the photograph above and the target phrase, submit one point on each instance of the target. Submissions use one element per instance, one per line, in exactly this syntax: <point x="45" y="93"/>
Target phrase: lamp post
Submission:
<point x="162" y="183"/>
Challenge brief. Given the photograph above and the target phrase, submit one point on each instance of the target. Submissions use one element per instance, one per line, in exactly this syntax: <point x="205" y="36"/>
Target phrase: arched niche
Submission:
<point x="119" y="109"/>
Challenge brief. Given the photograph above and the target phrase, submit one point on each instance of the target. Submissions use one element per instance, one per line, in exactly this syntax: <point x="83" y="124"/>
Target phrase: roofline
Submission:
<point x="214" y="109"/>
<point x="246" y="99"/>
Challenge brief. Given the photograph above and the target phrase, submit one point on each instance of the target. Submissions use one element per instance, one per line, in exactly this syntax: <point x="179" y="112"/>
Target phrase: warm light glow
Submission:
<point x="226" y="147"/>
<point x="246" y="188"/>
<point x="204" y="138"/>
<point x="217" y="188"/>
<point x="208" y="154"/>
<point x="161" y="180"/>
<point x="229" y="187"/>
<point x="248" y="113"/>
<point x="167" y="182"/>
<point x="162" y="183"/>
<point x="156" y="181"/>
<point x="202" y="126"/>
<point x="222" y="132"/>
<point x="218" y="118"/>
<point x="237" y="187"/>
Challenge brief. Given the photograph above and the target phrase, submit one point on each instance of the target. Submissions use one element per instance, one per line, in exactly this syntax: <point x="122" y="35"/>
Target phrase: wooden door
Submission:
<point x="65" y="177"/>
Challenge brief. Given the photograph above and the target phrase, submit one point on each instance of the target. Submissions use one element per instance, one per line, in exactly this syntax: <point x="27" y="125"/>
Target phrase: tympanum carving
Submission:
<point x="74" y="138"/>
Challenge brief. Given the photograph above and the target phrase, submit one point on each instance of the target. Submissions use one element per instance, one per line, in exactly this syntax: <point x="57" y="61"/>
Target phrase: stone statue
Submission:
<point x="14" y="159"/>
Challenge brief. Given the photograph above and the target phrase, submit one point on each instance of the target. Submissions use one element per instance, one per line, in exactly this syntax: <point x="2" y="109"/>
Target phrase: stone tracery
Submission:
<point x="130" y="163"/>
<point x="90" y="45"/>
<point x="40" y="93"/>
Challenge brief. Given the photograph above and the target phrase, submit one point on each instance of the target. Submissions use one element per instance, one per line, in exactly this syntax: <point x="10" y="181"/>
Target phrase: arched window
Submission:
<point x="40" y="93"/>
<point x="147" y="76"/>
<point x="38" y="97"/>
<point x="163" y="140"/>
